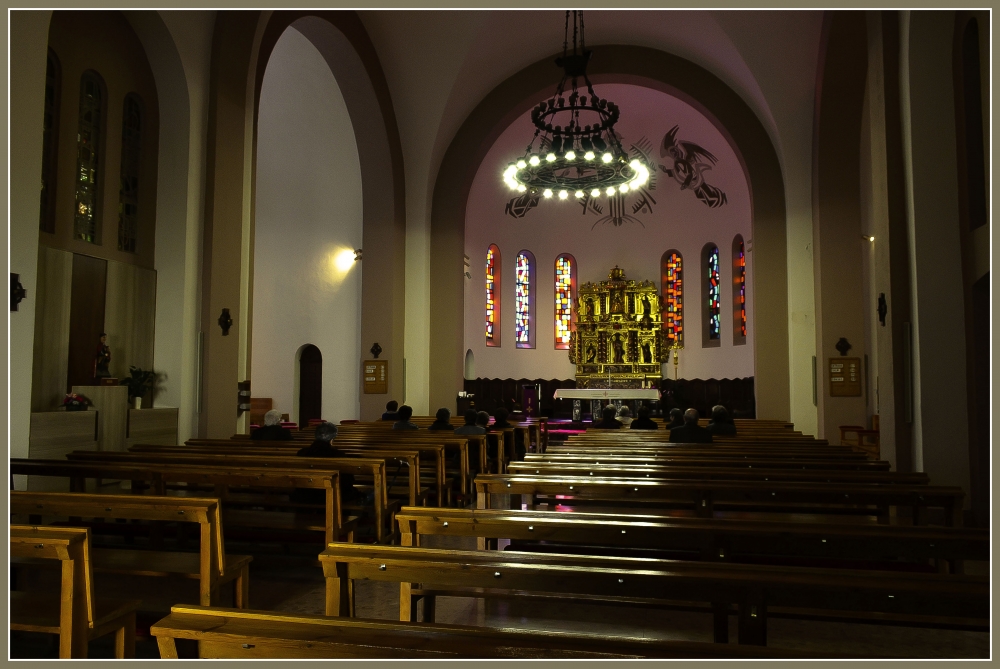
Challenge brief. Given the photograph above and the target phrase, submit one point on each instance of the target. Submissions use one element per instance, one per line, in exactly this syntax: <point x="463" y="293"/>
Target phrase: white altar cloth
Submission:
<point x="607" y="394"/>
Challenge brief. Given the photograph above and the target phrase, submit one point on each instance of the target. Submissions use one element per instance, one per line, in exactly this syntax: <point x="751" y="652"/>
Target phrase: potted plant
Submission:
<point x="139" y="382"/>
<point x="74" y="402"/>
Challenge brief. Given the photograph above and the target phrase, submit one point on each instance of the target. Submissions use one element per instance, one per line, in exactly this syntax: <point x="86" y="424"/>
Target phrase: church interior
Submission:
<point x="319" y="320"/>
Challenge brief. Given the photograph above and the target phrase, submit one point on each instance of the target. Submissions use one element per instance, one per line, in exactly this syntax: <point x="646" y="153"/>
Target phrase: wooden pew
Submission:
<point x="221" y="476"/>
<point x="704" y="495"/>
<point x="715" y="539"/>
<point x="210" y="566"/>
<point x="236" y="634"/>
<point x="752" y="588"/>
<point x="701" y="459"/>
<point x="76" y="614"/>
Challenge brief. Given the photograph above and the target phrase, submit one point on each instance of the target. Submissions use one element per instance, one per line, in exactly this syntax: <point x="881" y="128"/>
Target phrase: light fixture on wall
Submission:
<point x="868" y="238"/>
<point x="579" y="152"/>
<point x="357" y="254"/>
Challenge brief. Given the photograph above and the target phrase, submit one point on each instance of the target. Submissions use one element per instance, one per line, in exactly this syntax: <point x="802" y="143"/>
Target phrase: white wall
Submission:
<point x="308" y="209"/>
<point x="678" y="220"/>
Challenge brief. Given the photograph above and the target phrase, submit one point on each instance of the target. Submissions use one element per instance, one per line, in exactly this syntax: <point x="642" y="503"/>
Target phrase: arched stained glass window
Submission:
<point x="711" y="296"/>
<point x="128" y="194"/>
<point x="672" y="296"/>
<point x="88" y="147"/>
<point x="493" y="265"/>
<point x="50" y="144"/>
<point x="565" y="297"/>
<point x="524" y="304"/>
<point x="739" y="292"/>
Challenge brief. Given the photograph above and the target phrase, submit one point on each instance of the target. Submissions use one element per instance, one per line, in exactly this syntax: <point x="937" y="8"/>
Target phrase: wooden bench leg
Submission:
<point x="168" y="647"/>
<point x="407" y="609"/>
<point x="720" y="622"/>
<point x="125" y="639"/>
<point x="241" y="589"/>
<point x="753" y="623"/>
<point x="340" y="593"/>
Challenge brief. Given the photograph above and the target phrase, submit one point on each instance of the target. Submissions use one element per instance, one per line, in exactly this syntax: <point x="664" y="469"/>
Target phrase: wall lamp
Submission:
<point x="868" y="238"/>
<point x="357" y="253"/>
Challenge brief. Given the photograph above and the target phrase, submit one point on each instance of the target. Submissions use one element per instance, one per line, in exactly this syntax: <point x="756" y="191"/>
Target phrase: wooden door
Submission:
<point x="310" y="385"/>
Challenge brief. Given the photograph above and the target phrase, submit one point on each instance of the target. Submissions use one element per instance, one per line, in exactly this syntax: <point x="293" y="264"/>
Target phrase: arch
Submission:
<point x="494" y="275"/>
<point x="711" y="297"/>
<point x="50" y="142"/>
<point x="566" y="271"/>
<point x="623" y="64"/>
<point x="310" y="384"/>
<point x="672" y="297"/>
<point x="470" y="366"/>
<point x="89" y="151"/>
<point x="524" y="300"/>
<point x="739" y="292"/>
<point x="128" y="194"/>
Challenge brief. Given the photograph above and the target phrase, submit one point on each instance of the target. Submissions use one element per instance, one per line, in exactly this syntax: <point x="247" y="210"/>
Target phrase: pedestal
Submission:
<point x="111" y="404"/>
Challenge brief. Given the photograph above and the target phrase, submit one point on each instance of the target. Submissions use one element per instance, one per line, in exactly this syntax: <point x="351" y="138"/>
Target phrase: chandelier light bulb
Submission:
<point x="579" y="193"/>
<point x="623" y="188"/>
<point x="551" y="157"/>
<point x="547" y="193"/>
<point x="611" y="191"/>
<point x="570" y="155"/>
<point x="521" y="164"/>
<point x="533" y="161"/>
<point x="563" y="195"/>
<point x="589" y="155"/>
<point x="521" y="188"/>
<point x="606" y="158"/>
<point x="595" y="193"/>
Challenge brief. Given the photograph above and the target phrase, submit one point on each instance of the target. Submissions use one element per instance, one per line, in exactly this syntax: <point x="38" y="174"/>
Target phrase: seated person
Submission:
<point x="721" y="424"/>
<point x="403" y="419"/>
<point x="608" y="421"/>
<point x="643" y="422"/>
<point x="272" y="430"/>
<point x="390" y="410"/>
<point x="690" y="432"/>
<point x="624" y="416"/>
<point x="676" y="418"/>
<point x="501" y="419"/>
<point x="441" y="420"/>
<point x="322" y="447"/>
<point x="470" y="426"/>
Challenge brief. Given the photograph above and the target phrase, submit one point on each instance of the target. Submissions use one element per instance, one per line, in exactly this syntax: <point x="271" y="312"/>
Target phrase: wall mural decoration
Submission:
<point x="685" y="162"/>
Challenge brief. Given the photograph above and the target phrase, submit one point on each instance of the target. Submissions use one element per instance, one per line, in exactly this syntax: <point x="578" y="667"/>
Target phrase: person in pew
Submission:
<point x="643" y="422"/>
<point x="391" y="407"/>
<point x="470" y="426"/>
<point x="690" y="432"/>
<point x="483" y="420"/>
<point x="272" y="430"/>
<point x="676" y="418"/>
<point x="442" y="420"/>
<point x="501" y="415"/>
<point x="403" y="419"/>
<point x="322" y="447"/>
<point x="608" y="422"/>
<point x="721" y="424"/>
<point x="624" y="416"/>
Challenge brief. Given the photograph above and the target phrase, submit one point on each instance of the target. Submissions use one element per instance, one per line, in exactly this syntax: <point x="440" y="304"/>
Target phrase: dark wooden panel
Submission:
<point x="310" y="385"/>
<point x="86" y="318"/>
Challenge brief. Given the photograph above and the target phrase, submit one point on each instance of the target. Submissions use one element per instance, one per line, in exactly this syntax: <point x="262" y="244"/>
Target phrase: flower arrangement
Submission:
<point x="74" y="402"/>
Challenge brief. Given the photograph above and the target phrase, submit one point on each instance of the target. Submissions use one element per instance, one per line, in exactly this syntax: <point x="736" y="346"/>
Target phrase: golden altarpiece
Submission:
<point x="618" y="342"/>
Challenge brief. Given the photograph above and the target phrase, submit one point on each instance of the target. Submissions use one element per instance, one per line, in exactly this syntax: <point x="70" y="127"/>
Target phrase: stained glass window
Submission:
<point x="88" y="158"/>
<point x="672" y="296"/>
<point x="128" y="194"/>
<point x="50" y="144"/>
<point x="565" y="296"/>
<point x="493" y="295"/>
<point x="712" y="278"/>
<point x="524" y="301"/>
<point x="739" y="292"/>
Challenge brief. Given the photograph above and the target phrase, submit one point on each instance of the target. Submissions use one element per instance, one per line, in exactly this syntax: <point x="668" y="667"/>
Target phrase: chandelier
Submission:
<point x="579" y="153"/>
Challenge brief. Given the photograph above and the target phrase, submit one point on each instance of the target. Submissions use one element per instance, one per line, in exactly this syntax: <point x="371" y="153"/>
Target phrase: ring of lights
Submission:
<point x="546" y="112"/>
<point x="577" y="176"/>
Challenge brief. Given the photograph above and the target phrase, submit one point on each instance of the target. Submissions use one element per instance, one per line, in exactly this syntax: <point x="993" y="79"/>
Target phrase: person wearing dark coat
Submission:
<point x="442" y="420"/>
<point x="501" y="419"/>
<point x="322" y="447"/>
<point x="272" y="430"/>
<point x="721" y="424"/>
<point x="608" y="422"/>
<point x="403" y="419"/>
<point x="470" y="426"/>
<point x="643" y="422"/>
<point x="390" y="410"/>
<point x="690" y="432"/>
<point x="676" y="418"/>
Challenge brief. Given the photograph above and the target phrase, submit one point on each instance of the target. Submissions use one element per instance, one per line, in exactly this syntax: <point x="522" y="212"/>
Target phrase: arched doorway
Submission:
<point x="310" y="384"/>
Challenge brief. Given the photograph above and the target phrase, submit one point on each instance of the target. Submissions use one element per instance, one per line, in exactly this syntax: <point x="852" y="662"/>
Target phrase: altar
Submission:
<point x="601" y="397"/>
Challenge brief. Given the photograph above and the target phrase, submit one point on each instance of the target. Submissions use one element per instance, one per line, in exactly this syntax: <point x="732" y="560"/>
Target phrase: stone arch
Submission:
<point x="623" y="64"/>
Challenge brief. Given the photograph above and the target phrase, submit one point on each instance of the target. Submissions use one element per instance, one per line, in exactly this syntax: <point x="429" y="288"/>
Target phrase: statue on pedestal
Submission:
<point x="102" y="359"/>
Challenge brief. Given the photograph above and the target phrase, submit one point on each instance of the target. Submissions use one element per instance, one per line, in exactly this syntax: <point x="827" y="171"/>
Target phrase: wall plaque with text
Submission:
<point x="845" y="377"/>
<point x="376" y="377"/>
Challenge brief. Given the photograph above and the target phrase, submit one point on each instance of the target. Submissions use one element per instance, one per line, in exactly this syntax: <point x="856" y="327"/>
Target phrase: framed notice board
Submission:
<point x="845" y="377"/>
<point x="376" y="377"/>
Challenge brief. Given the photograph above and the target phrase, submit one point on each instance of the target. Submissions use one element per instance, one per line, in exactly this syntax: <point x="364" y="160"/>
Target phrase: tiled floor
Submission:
<point x="294" y="585"/>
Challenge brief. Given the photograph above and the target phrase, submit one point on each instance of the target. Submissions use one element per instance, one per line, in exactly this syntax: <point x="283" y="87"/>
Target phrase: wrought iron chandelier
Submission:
<point x="579" y="153"/>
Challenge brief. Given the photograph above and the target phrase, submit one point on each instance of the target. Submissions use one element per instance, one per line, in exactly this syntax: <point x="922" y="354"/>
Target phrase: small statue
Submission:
<point x="619" y="350"/>
<point x="647" y="355"/>
<point x="590" y="307"/>
<point x="102" y="359"/>
<point x="591" y="353"/>
<point x="646" y="307"/>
